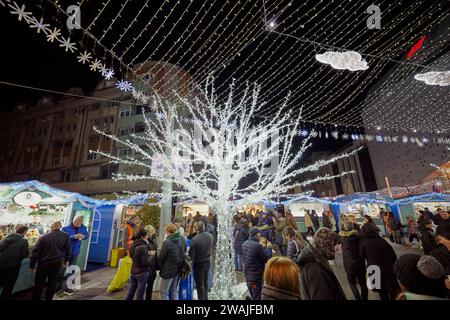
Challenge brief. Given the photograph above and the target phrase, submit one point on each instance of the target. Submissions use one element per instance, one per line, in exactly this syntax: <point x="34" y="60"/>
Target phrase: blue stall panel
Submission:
<point x="102" y="224"/>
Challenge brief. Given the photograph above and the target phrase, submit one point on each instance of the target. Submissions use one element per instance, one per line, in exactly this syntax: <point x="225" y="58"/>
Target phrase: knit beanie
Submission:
<point x="324" y="242"/>
<point x="421" y="274"/>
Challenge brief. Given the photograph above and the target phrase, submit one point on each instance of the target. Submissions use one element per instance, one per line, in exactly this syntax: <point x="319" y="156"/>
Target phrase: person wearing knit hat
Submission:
<point x="318" y="281"/>
<point x="420" y="277"/>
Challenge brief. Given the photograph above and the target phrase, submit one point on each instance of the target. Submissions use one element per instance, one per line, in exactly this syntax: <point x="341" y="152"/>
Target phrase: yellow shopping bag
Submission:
<point x="122" y="275"/>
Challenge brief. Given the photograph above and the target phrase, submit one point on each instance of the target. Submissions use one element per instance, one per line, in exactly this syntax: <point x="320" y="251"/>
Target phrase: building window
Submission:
<point x="111" y="119"/>
<point x="93" y="139"/>
<point x="125" y="113"/>
<point x="123" y="132"/>
<point x="60" y="115"/>
<point x="115" y="104"/>
<point x="58" y="144"/>
<point x="125" y="152"/>
<point x="139" y="127"/>
<point x="91" y="156"/>
<point x="96" y="122"/>
<point x="105" y="120"/>
<point x="55" y="161"/>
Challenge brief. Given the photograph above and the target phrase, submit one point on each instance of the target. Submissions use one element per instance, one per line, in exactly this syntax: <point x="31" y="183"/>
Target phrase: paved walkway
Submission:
<point x="95" y="283"/>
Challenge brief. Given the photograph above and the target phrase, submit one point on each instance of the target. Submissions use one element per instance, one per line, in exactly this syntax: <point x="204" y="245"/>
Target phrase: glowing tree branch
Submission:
<point x="228" y="153"/>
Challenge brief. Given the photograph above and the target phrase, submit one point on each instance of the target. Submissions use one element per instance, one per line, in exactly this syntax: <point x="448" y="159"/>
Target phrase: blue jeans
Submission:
<point x="168" y="289"/>
<point x="238" y="261"/>
<point x="138" y="283"/>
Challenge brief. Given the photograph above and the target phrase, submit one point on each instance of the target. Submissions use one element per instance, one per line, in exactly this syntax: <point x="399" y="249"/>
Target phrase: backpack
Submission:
<point x="186" y="264"/>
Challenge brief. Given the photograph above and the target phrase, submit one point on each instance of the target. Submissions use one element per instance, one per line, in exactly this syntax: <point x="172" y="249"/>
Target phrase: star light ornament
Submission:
<point x="124" y="85"/>
<point x="67" y="45"/>
<point x="53" y="35"/>
<point x="40" y="25"/>
<point x="84" y="57"/>
<point x="349" y="60"/>
<point x="20" y="12"/>
<point x="231" y="154"/>
<point x="95" y="65"/>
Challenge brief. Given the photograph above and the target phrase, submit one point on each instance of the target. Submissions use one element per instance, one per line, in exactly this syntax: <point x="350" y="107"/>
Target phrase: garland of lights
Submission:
<point x="54" y="35"/>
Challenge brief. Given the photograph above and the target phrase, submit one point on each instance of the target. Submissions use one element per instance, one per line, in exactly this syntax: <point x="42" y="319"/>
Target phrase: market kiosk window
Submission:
<point x="362" y="209"/>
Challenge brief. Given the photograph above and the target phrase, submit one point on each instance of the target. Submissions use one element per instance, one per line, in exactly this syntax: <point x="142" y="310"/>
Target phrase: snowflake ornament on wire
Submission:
<point x="96" y="65"/>
<point x="109" y="74"/>
<point x="369" y="137"/>
<point x="335" y="134"/>
<point x="67" y="45"/>
<point x="394" y="139"/>
<point x="345" y="136"/>
<point x="314" y="134"/>
<point x="160" y="115"/>
<point x="303" y="133"/>
<point x="405" y="139"/>
<point x="20" y="12"/>
<point x="40" y="25"/>
<point x="84" y="57"/>
<point x="124" y="85"/>
<point x="425" y="140"/>
<point x="53" y="35"/>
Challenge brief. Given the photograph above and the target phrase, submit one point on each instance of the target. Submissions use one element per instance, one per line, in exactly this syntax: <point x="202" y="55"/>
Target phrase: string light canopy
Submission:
<point x="274" y="43"/>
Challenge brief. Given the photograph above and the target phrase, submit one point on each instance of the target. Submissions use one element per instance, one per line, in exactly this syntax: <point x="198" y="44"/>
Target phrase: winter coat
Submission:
<point x="412" y="227"/>
<point x="201" y="248"/>
<point x="254" y="259"/>
<point x="353" y="262"/>
<point x="51" y="247"/>
<point x="291" y="221"/>
<point x="272" y="293"/>
<point x="377" y="251"/>
<point x="315" y="221"/>
<point x="170" y="257"/>
<point x="308" y="221"/>
<point x="442" y="254"/>
<point x="294" y="247"/>
<point x="13" y="249"/>
<point x="240" y="236"/>
<point x="72" y="231"/>
<point x="428" y="241"/>
<point x="394" y="224"/>
<point x="280" y="225"/>
<point x="152" y="245"/>
<point x="317" y="280"/>
<point x="139" y="254"/>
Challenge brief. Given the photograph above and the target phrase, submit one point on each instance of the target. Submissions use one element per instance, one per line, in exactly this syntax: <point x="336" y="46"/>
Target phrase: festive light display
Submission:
<point x="228" y="153"/>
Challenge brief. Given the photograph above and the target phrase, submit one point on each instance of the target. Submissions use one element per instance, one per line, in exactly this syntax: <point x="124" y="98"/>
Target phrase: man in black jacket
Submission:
<point x="200" y="253"/>
<point x="442" y="252"/>
<point x="51" y="253"/>
<point x="13" y="250"/>
<point x="254" y="259"/>
<point x="318" y="281"/>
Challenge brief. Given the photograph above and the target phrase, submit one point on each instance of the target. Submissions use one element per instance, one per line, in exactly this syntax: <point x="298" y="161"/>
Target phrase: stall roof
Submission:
<point x="367" y="197"/>
<point x="427" y="197"/>
<point x="73" y="196"/>
<point x="306" y="199"/>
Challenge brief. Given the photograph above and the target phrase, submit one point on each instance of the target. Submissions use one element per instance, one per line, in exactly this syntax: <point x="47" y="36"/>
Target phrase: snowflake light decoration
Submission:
<point x="369" y="137"/>
<point x="345" y="136"/>
<point x="67" y="45"/>
<point x="405" y="139"/>
<point x="124" y="85"/>
<point x="335" y="134"/>
<point x="39" y="25"/>
<point x="20" y="12"/>
<point x="425" y="140"/>
<point x="314" y="133"/>
<point x="84" y="57"/>
<point x="96" y="65"/>
<point x="53" y="35"/>
<point x="303" y="133"/>
<point x="108" y="74"/>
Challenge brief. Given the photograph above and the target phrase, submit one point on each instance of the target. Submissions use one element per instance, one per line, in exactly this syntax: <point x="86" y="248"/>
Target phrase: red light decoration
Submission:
<point x="415" y="48"/>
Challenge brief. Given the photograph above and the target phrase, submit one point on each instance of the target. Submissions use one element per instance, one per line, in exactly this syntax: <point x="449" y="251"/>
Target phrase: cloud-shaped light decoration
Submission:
<point x="349" y="60"/>
<point x="435" y="78"/>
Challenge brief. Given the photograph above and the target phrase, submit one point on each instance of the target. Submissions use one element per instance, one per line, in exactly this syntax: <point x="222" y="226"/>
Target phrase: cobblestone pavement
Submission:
<point x="95" y="283"/>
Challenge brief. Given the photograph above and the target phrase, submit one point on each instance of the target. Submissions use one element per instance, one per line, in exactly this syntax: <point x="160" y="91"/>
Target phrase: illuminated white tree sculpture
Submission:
<point x="230" y="146"/>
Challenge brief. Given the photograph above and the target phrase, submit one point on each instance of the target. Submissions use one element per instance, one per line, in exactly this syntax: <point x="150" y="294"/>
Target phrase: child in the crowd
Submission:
<point x="412" y="229"/>
<point x="267" y="246"/>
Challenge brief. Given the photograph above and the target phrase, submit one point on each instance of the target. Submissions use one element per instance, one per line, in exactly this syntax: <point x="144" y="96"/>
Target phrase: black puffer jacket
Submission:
<point x="152" y="245"/>
<point x="442" y="254"/>
<point x="170" y="258"/>
<point x="201" y="248"/>
<point x="353" y="262"/>
<point x="254" y="259"/>
<point x="139" y="254"/>
<point x="428" y="241"/>
<point x="51" y="247"/>
<point x="317" y="280"/>
<point x="240" y="236"/>
<point x="13" y="249"/>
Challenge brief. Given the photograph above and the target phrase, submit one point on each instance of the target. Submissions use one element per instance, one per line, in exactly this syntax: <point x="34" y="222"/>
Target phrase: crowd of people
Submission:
<point x="52" y="254"/>
<point x="297" y="266"/>
<point x="275" y="258"/>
